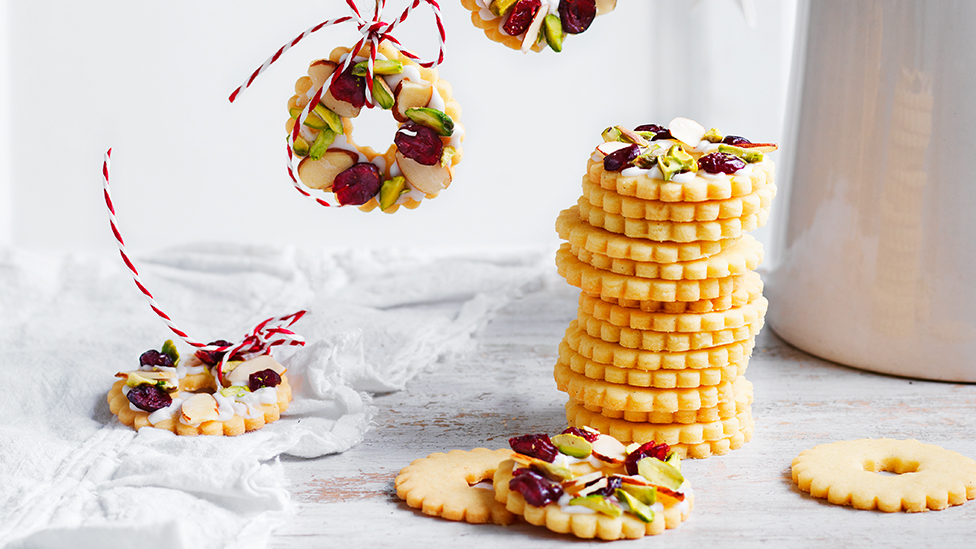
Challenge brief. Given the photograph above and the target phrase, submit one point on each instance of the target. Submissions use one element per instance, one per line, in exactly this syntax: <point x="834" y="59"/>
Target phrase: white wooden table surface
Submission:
<point x="743" y="499"/>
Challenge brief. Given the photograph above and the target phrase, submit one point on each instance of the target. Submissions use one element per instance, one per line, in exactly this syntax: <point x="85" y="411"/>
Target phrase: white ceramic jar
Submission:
<point x="875" y="264"/>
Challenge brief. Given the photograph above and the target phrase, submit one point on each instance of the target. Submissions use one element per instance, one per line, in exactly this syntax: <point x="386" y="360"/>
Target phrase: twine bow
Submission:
<point x="269" y="333"/>
<point x="373" y="31"/>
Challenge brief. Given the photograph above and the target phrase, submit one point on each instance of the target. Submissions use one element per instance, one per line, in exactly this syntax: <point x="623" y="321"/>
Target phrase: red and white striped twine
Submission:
<point x="373" y="31"/>
<point x="269" y="333"/>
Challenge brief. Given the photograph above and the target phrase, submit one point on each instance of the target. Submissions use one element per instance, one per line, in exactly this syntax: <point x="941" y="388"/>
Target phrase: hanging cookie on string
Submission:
<point x="222" y="388"/>
<point x="378" y="74"/>
<point x="535" y="25"/>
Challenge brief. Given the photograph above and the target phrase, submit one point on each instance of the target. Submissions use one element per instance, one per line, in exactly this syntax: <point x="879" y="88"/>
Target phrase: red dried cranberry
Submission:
<point x="721" y="163"/>
<point x="590" y="436"/>
<point x="148" y="398"/>
<point x="648" y="449"/>
<point x="576" y="15"/>
<point x="535" y="488"/>
<point x="537" y="446"/>
<point x="420" y="143"/>
<point x="358" y="184"/>
<point x="153" y="357"/>
<point x="620" y="158"/>
<point x="520" y="16"/>
<point x="735" y="140"/>
<point x="660" y="132"/>
<point x="264" y="378"/>
<point x="213" y="357"/>
<point x="349" y="88"/>
<point x="613" y="482"/>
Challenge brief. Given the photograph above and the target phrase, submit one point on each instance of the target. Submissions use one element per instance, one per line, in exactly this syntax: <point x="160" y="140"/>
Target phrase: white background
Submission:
<point x="151" y="80"/>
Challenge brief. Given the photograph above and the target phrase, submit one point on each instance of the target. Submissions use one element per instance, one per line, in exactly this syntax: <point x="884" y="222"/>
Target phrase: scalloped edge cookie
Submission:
<point x="674" y="342"/>
<point x="443" y="485"/>
<point x="586" y="526"/>
<point x="571" y="228"/>
<point x="741" y="387"/>
<point x="636" y="319"/>
<point x="672" y="231"/>
<point x="137" y="419"/>
<point x="632" y="207"/>
<point x="745" y="289"/>
<point x="926" y="476"/>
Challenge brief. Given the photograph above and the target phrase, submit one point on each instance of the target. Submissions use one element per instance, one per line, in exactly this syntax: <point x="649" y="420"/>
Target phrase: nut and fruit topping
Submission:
<point x="349" y="88"/>
<point x="720" y="162"/>
<point x="521" y="15"/>
<point x="166" y="357"/>
<point x="264" y="378"/>
<point x="149" y="398"/>
<point x="621" y="479"/>
<point x="621" y="158"/>
<point x="577" y="15"/>
<point x="419" y="143"/>
<point x="658" y="131"/>
<point x="213" y="357"/>
<point x="358" y="184"/>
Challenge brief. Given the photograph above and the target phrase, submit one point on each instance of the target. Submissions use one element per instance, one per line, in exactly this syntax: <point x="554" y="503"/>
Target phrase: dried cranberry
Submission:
<point x="349" y="88"/>
<point x="660" y="132"/>
<point x="535" y="488"/>
<point x="358" y="184"/>
<point x="148" y="398"/>
<point x="264" y="378"/>
<point x="153" y="357"/>
<point x="620" y="158"/>
<point x="420" y="143"/>
<point x="613" y="482"/>
<point x="521" y="15"/>
<point x="576" y="15"/>
<point x="648" y="449"/>
<point x="537" y="446"/>
<point x="721" y="163"/>
<point x="735" y="140"/>
<point x="590" y="436"/>
<point x="213" y="357"/>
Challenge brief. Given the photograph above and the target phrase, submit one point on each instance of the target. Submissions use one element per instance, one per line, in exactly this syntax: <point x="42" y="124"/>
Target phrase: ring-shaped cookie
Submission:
<point x="423" y="106"/>
<point x="455" y="486"/>
<point x="925" y="476"/>
<point x="535" y="33"/>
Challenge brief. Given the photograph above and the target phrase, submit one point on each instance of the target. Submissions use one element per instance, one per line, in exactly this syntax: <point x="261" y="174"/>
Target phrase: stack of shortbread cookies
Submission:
<point x="670" y="303"/>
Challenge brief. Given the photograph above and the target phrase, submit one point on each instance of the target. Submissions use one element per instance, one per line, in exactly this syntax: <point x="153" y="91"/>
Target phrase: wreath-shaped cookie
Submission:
<point x="426" y="147"/>
<point x="533" y="24"/>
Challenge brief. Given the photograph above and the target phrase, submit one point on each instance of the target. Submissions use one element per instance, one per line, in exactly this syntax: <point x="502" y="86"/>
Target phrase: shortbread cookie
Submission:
<point x="513" y="24"/>
<point x="683" y="212"/>
<point x="672" y="231"/>
<point x="627" y="317"/>
<point x="675" y="435"/>
<point x="455" y="486"/>
<point x="661" y="379"/>
<point x="638" y="399"/>
<point x="183" y="397"/>
<point x="741" y="387"/>
<point x="616" y="355"/>
<point x="571" y="228"/>
<point x="746" y="254"/>
<point x="700" y="189"/>
<point x="589" y="484"/>
<point x="926" y="476"/>
<point x="612" y="285"/>
<point x="425" y="150"/>
<point x="186" y="415"/>
<point x="649" y="340"/>
<point x="745" y="289"/>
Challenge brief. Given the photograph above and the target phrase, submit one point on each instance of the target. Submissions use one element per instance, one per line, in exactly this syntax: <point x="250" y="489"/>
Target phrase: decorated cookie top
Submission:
<point x="586" y="472"/>
<point x="679" y="152"/>
<point x="534" y="24"/>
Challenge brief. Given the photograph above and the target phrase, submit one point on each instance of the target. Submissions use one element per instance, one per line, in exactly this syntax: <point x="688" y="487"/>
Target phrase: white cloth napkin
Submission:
<point x="72" y="475"/>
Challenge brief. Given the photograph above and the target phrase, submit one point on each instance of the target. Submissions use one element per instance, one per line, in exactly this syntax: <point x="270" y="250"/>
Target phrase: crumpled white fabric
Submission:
<point x="72" y="475"/>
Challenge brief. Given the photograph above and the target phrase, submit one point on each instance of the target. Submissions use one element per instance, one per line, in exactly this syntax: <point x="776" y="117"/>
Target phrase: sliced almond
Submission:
<point x="761" y="147"/>
<point x="605" y="6"/>
<point x="242" y="373"/>
<point x="199" y="408"/>
<point x="610" y="146"/>
<point x="532" y="33"/>
<point x="687" y="131"/>
<point x="598" y="485"/>
<point x="342" y="108"/>
<point x="410" y="95"/>
<point x="319" y="174"/>
<point x="426" y="179"/>
<point x="577" y="484"/>
<point x="320" y="71"/>
<point x="609" y="449"/>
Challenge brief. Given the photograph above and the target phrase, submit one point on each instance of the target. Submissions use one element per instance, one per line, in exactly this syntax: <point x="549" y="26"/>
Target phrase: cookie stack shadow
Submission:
<point x="669" y="308"/>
